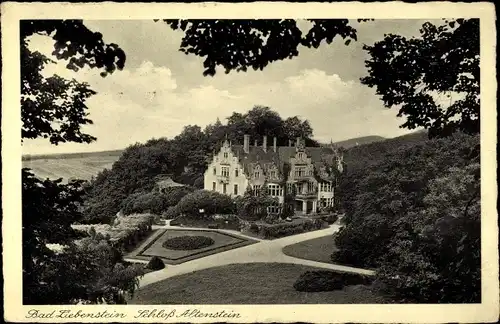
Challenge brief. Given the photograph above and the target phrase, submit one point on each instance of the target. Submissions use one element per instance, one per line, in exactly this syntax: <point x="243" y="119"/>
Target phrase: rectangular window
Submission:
<point x="272" y="174"/>
<point x="213" y="186"/>
<point x="256" y="189"/>
<point x="235" y="189"/>
<point x="274" y="190"/>
<point x="225" y="171"/>
<point x="225" y="155"/>
<point x="256" y="174"/>
<point x="224" y="188"/>
<point x="215" y="170"/>
<point x="326" y="187"/>
<point x="300" y="171"/>
<point x="236" y="173"/>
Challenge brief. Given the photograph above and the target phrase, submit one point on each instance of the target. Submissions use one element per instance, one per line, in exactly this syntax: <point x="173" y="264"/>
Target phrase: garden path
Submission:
<point x="267" y="251"/>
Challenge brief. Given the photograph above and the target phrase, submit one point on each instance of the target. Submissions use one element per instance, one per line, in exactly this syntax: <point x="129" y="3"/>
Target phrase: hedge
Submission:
<point x="324" y="280"/>
<point x="229" y="221"/>
<point x="315" y="281"/>
<point x="125" y="232"/>
<point x="331" y="218"/>
<point x="271" y="231"/>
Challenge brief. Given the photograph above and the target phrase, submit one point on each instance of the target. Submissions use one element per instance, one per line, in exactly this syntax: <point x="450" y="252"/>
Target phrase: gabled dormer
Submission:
<point x="301" y="165"/>
<point x="257" y="172"/>
<point x="273" y="174"/>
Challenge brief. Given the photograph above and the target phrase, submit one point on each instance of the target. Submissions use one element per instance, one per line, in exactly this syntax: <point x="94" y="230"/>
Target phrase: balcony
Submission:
<point x="223" y="178"/>
<point x="307" y="194"/>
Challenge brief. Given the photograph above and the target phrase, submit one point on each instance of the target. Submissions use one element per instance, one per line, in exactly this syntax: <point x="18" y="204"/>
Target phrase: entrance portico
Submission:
<point x="306" y="206"/>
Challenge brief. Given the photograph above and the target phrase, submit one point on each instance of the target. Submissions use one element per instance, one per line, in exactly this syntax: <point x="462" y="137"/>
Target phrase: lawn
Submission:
<point x="319" y="249"/>
<point x="253" y="283"/>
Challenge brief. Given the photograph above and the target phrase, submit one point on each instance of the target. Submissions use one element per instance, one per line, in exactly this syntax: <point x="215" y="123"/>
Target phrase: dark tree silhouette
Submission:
<point x="242" y="44"/>
<point x="54" y="108"/>
<point x="409" y="73"/>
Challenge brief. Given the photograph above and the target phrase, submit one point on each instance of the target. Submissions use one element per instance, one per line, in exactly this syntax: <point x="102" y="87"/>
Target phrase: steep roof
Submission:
<point x="257" y="156"/>
<point x="165" y="181"/>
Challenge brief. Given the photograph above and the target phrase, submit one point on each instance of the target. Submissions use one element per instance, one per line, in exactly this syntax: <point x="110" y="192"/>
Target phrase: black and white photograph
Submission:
<point x="243" y="161"/>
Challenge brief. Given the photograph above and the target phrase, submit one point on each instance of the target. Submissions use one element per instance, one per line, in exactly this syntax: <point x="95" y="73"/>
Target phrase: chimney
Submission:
<point x="290" y="142"/>
<point x="298" y="142"/>
<point x="274" y="144"/>
<point x="255" y="143"/>
<point x="264" y="143"/>
<point x="246" y="143"/>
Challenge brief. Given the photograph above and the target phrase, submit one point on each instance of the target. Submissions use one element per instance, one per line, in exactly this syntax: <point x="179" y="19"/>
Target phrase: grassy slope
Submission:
<point x="80" y="166"/>
<point x="319" y="249"/>
<point x="254" y="283"/>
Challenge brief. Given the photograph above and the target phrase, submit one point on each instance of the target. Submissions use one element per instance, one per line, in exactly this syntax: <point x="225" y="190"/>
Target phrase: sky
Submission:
<point x="161" y="90"/>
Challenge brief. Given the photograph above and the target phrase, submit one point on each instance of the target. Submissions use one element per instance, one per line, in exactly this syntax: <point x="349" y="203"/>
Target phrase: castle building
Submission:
<point x="308" y="172"/>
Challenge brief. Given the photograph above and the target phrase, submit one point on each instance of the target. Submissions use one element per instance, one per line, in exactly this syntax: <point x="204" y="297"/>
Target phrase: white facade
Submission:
<point x="225" y="174"/>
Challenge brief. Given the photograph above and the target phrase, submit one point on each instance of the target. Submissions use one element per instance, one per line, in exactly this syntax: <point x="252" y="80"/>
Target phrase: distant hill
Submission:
<point x="71" y="165"/>
<point x="373" y="151"/>
<point x="89" y="164"/>
<point x="358" y="141"/>
<point x="72" y="155"/>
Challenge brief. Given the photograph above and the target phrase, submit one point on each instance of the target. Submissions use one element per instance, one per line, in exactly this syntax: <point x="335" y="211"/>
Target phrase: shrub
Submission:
<point x="188" y="242"/>
<point x="331" y="218"/>
<point x="155" y="202"/>
<point x="210" y="202"/>
<point x="229" y="221"/>
<point x="155" y="264"/>
<point x="324" y="280"/>
<point x="254" y="207"/>
<point x="271" y="231"/>
<point x="171" y="213"/>
<point x="125" y="232"/>
<point x="315" y="281"/>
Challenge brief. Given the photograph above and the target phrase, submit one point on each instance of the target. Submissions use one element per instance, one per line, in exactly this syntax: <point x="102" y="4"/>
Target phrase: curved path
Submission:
<point x="267" y="251"/>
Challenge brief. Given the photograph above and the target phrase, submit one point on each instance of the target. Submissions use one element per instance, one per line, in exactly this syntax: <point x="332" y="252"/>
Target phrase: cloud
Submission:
<point x="148" y="101"/>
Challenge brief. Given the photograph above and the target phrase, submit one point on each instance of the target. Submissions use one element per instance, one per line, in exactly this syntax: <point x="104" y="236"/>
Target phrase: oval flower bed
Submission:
<point x="188" y="242"/>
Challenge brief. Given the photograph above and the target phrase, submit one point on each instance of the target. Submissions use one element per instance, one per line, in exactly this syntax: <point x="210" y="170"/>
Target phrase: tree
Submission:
<point x="135" y="171"/>
<point x="442" y="245"/>
<point x="253" y="205"/>
<point x="405" y="216"/>
<point x="408" y="73"/>
<point x="415" y="74"/>
<point x="237" y="45"/>
<point x="50" y="207"/>
<point x="46" y="102"/>
<point x="210" y="202"/>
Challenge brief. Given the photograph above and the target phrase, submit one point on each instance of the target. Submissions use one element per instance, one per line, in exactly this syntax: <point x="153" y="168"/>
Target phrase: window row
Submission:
<point x="225" y="171"/>
<point x="272" y="174"/>
<point x="326" y="202"/>
<point x="301" y="171"/>
<point x="326" y="187"/>
<point x="224" y="188"/>
<point x="274" y="190"/>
